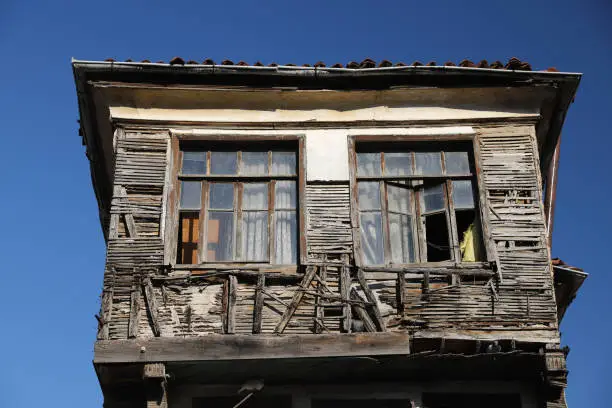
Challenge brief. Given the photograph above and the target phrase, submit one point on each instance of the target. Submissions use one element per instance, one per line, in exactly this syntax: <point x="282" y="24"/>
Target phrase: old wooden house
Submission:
<point x="363" y="235"/>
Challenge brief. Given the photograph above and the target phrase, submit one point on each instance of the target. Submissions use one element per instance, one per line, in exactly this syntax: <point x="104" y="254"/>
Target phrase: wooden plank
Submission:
<point x="372" y="299"/>
<point x="400" y="292"/>
<point x="231" y="304"/>
<point x="361" y="311"/>
<point x="345" y="294"/>
<point x="134" y="308"/>
<point x="151" y="306"/>
<point x="297" y="298"/>
<point x="246" y="347"/>
<point x="259" y="302"/>
<point x="106" y="311"/>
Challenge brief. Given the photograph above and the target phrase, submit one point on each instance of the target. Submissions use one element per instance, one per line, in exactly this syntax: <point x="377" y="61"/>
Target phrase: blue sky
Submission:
<point x="52" y="247"/>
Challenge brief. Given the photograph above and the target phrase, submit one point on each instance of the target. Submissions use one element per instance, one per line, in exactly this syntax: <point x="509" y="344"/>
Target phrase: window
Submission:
<point x="238" y="205"/>
<point x="417" y="204"/>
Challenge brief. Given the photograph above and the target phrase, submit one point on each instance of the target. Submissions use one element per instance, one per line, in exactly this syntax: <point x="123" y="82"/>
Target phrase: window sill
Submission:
<point x="203" y="268"/>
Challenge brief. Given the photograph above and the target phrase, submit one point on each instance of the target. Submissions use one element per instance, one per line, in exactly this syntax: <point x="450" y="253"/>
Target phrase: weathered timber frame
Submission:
<point x="171" y="223"/>
<point x="420" y="250"/>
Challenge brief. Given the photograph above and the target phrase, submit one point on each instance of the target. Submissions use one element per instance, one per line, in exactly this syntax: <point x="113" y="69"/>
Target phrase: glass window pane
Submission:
<point x="255" y="196"/>
<point x="402" y="244"/>
<point x="457" y="163"/>
<point x="433" y="198"/>
<point x="285" y="193"/>
<point x="428" y="164"/>
<point x="368" y="164"/>
<point x="371" y="238"/>
<point x="286" y="236"/>
<point x="191" y="193"/>
<point x="222" y="163"/>
<point x="194" y="163"/>
<point x="284" y="163"/>
<point x="369" y="195"/>
<point x="220" y="236"/>
<point x="398" y="164"/>
<point x="463" y="196"/>
<point x="398" y="199"/>
<point x="255" y="235"/>
<point x="222" y="196"/>
<point x="254" y="163"/>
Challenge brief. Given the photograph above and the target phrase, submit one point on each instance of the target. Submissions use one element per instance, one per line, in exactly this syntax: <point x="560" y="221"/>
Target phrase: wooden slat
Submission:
<point x="297" y="298"/>
<point x="151" y="306"/>
<point x="380" y="323"/>
<point x="231" y="304"/>
<point x="258" y="304"/>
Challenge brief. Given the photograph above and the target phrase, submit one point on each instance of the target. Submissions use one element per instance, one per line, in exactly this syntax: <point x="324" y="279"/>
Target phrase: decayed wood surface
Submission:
<point x="220" y="347"/>
<point x="515" y="294"/>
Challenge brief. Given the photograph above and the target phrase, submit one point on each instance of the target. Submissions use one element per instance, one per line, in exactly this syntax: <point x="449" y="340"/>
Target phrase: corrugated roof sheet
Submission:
<point x="513" y="64"/>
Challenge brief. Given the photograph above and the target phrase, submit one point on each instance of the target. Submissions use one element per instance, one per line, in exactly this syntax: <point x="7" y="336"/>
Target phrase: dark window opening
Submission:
<point x="361" y="403"/>
<point x="465" y="400"/>
<point x="436" y="235"/>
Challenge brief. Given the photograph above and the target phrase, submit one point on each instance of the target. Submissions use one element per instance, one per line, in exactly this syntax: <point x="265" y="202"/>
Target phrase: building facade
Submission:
<point x="363" y="235"/>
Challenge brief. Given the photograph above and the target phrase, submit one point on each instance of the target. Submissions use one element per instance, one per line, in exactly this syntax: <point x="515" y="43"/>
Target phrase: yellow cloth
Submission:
<point x="470" y="246"/>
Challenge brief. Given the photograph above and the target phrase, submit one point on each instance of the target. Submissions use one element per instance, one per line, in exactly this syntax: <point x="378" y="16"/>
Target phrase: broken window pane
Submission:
<point x="286" y="237"/>
<point x="398" y="164"/>
<point x="189" y="233"/>
<point x="402" y="241"/>
<point x="255" y="236"/>
<point x="254" y="163"/>
<point x="220" y="236"/>
<point x="369" y="195"/>
<point x="457" y="163"/>
<point x="284" y="163"/>
<point x="463" y="196"/>
<point x="194" y="163"/>
<point x="371" y="238"/>
<point x="368" y="164"/>
<point x="255" y="196"/>
<point x="436" y="235"/>
<point x="222" y="196"/>
<point x="433" y="198"/>
<point x="428" y="164"/>
<point x="223" y="163"/>
<point x="285" y="193"/>
<point x="191" y="193"/>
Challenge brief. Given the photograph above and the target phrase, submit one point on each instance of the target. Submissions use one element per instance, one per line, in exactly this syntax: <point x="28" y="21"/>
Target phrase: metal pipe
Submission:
<point x="551" y="190"/>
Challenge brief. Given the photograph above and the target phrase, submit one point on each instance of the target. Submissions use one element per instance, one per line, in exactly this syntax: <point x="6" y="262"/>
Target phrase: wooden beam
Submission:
<point x="151" y="306"/>
<point x="372" y="299"/>
<point x="361" y="311"/>
<point x="258" y="303"/>
<point x="297" y="298"/>
<point x="400" y="291"/>
<point x="107" y="309"/>
<point x="217" y="347"/>
<point x="156" y="390"/>
<point x="134" y="307"/>
<point x="345" y="294"/>
<point x="231" y="304"/>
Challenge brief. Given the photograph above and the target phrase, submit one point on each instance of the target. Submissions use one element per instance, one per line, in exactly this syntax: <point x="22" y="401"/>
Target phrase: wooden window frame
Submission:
<point x="454" y="240"/>
<point x="172" y="192"/>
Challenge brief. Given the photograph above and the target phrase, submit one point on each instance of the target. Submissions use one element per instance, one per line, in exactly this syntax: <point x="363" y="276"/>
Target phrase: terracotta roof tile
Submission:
<point x="512" y="64"/>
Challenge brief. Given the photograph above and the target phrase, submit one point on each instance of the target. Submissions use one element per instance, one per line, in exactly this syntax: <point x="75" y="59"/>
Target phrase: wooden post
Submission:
<point x="231" y="304"/>
<point x="345" y="294"/>
<point x="154" y="376"/>
<point x="258" y="304"/>
<point x="134" y="307"/>
<point x="297" y="298"/>
<point x="151" y="306"/>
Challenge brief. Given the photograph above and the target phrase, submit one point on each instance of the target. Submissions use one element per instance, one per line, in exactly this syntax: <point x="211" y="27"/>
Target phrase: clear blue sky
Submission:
<point x="52" y="247"/>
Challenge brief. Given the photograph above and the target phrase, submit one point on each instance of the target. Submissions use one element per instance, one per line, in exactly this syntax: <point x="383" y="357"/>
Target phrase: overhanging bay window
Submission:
<point x="238" y="204"/>
<point x="417" y="203"/>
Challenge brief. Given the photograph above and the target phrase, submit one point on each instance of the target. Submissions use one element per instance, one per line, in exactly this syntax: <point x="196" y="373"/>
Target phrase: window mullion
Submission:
<point x="271" y="222"/>
<point x="203" y="220"/>
<point x="452" y="222"/>
<point x="385" y="222"/>
<point x="238" y="190"/>
<point x="420" y="226"/>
